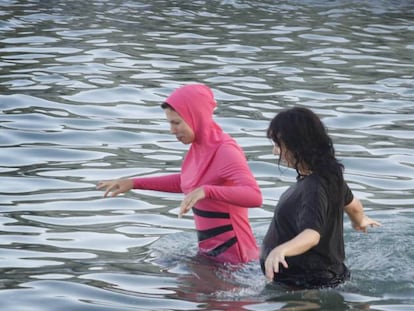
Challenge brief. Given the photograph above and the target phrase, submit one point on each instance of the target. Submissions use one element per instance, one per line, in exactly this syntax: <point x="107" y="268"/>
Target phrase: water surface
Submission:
<point x="81" y="83"/>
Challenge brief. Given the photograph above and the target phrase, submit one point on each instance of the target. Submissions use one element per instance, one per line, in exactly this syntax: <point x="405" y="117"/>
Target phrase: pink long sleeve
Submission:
<point x="239" y="187"/>
<point x="167" y="183"/>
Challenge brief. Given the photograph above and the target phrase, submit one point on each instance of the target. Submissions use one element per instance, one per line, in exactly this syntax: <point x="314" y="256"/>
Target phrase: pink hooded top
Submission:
<point x="216" y="163"/>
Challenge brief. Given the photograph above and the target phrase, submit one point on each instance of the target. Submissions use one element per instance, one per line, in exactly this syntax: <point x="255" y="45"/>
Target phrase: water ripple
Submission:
<point x="81" y="88"/>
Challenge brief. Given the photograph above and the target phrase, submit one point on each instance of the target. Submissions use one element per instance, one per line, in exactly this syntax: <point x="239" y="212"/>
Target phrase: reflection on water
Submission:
<point x="81" y="84"/>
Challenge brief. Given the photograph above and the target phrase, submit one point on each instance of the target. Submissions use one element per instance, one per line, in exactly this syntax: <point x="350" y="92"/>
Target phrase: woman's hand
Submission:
<point x="365" y="223"/>
<point x="275" y="257"/>
<point x="117" y="186"/>
<point x="300" y="244"/>
<point x="359" y="220"/>
<point x="190" y="200"/>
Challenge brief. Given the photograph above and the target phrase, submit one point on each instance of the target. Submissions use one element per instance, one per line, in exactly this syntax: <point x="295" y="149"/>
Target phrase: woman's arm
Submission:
<point x="167" y="183"/>
<point x="360" y="221"/>
<point x="303" y="242"/>
<point x="239" y="187"/>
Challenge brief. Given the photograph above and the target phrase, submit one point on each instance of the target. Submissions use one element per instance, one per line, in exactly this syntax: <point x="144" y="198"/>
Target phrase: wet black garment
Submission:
<point x="308" y="205"/>
<point x="311" y="279"/>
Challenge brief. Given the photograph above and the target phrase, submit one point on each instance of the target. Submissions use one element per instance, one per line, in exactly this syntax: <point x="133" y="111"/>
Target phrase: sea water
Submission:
<point x="81" y="85"/>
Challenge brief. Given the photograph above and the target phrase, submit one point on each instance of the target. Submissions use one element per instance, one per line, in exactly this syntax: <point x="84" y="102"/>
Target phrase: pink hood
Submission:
<point x="195" y="103"/>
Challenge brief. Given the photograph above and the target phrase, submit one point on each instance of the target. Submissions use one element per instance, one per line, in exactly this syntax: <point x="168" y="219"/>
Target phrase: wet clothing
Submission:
<point x="216" y="163"/>
<point x="307" y="205"/>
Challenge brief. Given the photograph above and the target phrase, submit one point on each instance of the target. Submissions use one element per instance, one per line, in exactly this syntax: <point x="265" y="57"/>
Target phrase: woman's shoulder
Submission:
<point x="230" y="154"/>
<point x="229" y="146"/>
<point x="314" y="182"/>
<point x="321" y="185"/>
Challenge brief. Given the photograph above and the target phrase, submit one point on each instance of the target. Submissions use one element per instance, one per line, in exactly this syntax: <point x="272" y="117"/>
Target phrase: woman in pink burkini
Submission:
<point x="215" y="178"/>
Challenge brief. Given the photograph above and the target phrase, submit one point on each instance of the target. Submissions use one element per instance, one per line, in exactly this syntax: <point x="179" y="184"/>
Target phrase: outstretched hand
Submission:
<point x="190" y="200"/>
<point x="115" y="187"/>
<point x="365" y="223"/>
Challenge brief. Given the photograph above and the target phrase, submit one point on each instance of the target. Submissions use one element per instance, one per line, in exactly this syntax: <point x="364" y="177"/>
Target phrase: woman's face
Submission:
<point x="285" y="156"/>
<point x="179" y="127"/>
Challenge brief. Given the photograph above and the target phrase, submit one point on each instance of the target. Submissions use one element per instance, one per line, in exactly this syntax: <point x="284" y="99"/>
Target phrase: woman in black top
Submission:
<point x="304" y="245"/>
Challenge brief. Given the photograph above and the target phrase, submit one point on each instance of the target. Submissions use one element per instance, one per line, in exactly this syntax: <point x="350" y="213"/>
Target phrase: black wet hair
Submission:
<point x="305" y="137"/>
<point x="166" y="105"/>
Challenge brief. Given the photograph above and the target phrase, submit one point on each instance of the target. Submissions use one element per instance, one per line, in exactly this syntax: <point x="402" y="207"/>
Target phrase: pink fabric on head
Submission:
<point x="195" y="103"/>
